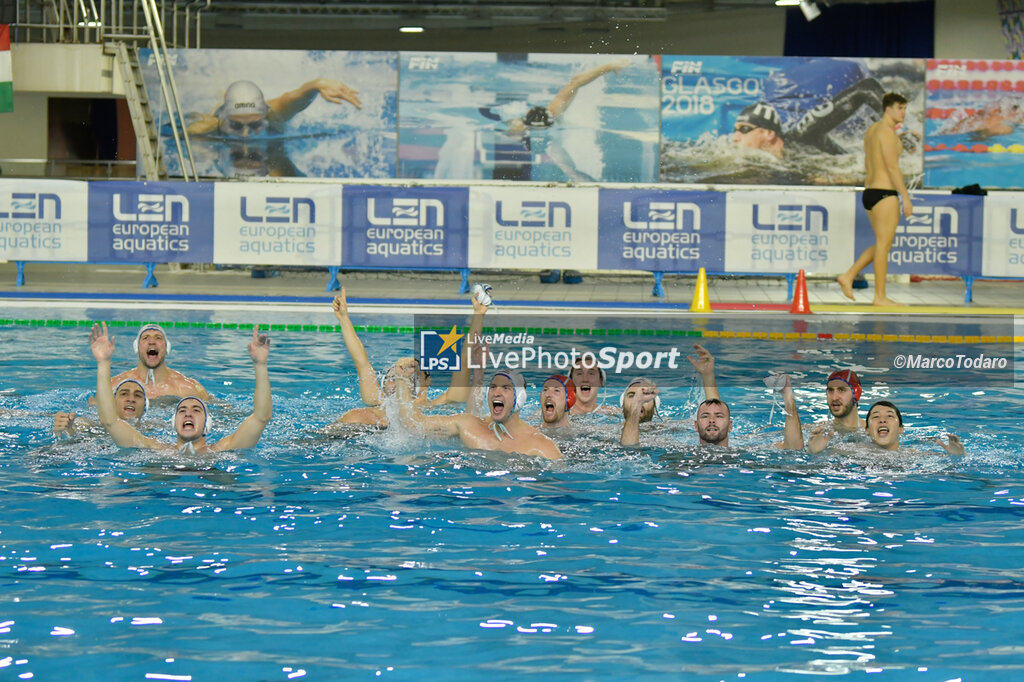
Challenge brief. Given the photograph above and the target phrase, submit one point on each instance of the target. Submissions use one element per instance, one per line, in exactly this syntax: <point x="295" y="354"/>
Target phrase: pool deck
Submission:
<point x="50" y="283"/>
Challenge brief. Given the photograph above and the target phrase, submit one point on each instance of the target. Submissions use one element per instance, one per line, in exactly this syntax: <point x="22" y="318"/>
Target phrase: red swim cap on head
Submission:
<point x="568" y="385"/>
<point x="850" y="378"/>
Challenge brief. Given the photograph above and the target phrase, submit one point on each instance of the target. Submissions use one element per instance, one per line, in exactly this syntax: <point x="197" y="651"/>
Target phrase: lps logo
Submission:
<point x="32" y="206"/>
<point x="790" y="217"/>
<point x="663" y="215"/>
<point x="440" y="352"/>
<point x="931" y="219"/>
<point x="536" y="214"/>
<point x="407" y="212"/>
<point x="301" y="210"/>
<point x="162" y="207"/>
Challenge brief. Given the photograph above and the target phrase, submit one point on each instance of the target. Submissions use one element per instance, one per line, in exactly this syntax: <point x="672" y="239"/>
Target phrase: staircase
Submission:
<point x="126" y="58"/>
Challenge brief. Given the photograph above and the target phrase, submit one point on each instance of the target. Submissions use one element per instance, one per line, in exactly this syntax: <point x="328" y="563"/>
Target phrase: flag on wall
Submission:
<point x="6" y="87"/>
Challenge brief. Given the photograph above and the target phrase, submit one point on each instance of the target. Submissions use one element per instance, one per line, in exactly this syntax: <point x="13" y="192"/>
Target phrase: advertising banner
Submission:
<point x="408" y="227"/>
<point x="781" y="120"/>
<point x="533" y="227"/>
<point x="661" y="230"/>
<point x="784" y="232"/>
<point x="1003" y="235"/>
<point x="43" y="220"/>
<point x="281" y="113"/>
<point x="942" y="237"/>
<point x="974" y="109"/>
<point x="277" y="224"/>
<point x="151" y="222"/>
<point x="547" y="117"/>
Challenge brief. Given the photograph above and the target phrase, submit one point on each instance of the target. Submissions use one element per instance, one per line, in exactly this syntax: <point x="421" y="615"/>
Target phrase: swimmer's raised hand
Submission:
<point x="953" y="447"/>
<point x="338" y="92"/>
<point x="340" y="306"/>
<point x="635" y="400"/>
<point x="259" y="347"/>
<point x="100" y="342"/>
<point x="704" y="363"/>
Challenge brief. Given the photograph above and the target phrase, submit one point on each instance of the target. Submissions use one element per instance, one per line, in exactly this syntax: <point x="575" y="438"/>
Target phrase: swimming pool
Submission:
<point x="378" y="556"/>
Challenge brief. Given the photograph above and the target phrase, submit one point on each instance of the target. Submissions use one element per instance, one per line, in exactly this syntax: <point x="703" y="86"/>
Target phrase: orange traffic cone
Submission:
<point x="801" y="306"/>
<point x="701" y="300"/>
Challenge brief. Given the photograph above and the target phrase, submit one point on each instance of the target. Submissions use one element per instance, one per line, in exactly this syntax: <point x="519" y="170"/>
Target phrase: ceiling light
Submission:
<point x="411" y="29"/>
<point x="787" y="3"/>
<point x="810" y="10"/>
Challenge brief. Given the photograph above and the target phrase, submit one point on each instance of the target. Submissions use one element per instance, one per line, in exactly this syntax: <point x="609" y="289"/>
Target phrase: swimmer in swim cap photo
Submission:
<point x="245" y="113"/>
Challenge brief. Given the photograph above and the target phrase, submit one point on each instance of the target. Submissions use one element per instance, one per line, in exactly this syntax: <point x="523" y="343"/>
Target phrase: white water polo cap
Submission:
<point x="207" y="419"/>
<point x="150" y="327"/>
<point x="137" y="383"/>
<point x="518" y="383"/>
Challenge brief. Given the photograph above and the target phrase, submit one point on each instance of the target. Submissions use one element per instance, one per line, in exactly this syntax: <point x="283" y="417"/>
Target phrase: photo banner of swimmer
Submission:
<point x="44" y="220"/>
<point x="661" y="230"/>
<point x="971" y="135"/>
<point x="542" y="117"/>
<point x="151" y="222"/>
<point x="533" y="227"/>
<point x="277" y="224"/>
<point x="1003" y="239"/>
<point x="782" y="120"/>
<point x="942" y="237"/>
<point x="784" y="232"/>
<point x="281" y="113"/>
<point x="409" y="227"/>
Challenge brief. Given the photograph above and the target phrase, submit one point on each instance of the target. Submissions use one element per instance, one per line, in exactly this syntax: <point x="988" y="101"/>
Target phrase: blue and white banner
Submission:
<point x="533" y="227"/>
<point x="661" y="230"/>
<point x="1003" y="240"/>
<point x="277" y="224"/>
<point x="151" y="222"/>
<point x="43" y="220"/>
<point x="409" y="227"/>
<point x="783" y="232"/>
<point x="940" y="238"/>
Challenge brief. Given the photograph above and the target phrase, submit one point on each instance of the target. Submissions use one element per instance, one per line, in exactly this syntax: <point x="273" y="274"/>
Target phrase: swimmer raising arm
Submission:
<point x="704" y="363"/>
<point x="369" y="390"/>
<point x="190" y="430"/>
<point x="503" y="429"/>
<point x="793" y="435"/>
<point x="633" y="403"/>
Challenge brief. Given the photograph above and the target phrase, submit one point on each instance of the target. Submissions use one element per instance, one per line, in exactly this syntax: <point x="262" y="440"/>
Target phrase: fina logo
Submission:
<point x="281" y="210"/>
<point x="154" y="207"/>
<point x="407" y="212"/>
<point x="791" y="217"/>
<point x="680" y="66"/>
<point x="663" y="215"/>
<point x="536" y="214"/>
<point x="32" y="206"/>
<point x="930" y="219"/>
<point x="439" y="352"/>
<point x="423" y="64"/>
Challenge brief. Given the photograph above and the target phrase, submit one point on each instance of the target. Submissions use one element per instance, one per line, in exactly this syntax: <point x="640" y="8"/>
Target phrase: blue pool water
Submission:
<point x="375" y="555"/>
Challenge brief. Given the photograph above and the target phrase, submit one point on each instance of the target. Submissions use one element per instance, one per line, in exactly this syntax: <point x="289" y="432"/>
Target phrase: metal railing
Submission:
<point x="99" y="21"/>
<point x="106" y="22"/>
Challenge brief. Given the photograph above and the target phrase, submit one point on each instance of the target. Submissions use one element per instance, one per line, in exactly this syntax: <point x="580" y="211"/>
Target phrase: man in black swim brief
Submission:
<point x="882" y="148"/>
